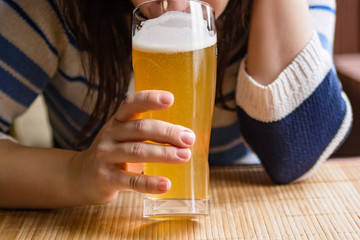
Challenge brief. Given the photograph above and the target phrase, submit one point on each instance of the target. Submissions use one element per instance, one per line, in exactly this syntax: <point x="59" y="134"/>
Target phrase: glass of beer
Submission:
<point x="174" y="49"/>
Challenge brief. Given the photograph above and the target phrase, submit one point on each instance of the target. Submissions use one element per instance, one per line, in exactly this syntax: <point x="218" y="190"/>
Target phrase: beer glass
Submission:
<point x="174" y="49"/>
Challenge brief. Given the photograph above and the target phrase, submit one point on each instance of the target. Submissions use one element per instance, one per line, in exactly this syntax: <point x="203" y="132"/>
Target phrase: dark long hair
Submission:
<point x="233" y="34"/>
<point x="102" y="29"/>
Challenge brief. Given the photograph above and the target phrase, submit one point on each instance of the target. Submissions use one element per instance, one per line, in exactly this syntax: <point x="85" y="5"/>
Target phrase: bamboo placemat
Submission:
<point x="244" y="205"/>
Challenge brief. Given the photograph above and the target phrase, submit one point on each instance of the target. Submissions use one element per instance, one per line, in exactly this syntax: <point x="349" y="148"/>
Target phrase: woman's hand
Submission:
<point x="100" y="172"/>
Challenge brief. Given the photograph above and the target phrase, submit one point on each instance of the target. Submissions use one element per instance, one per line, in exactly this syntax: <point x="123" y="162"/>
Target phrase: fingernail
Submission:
<point x="166" y="98"/>
<point x="183" y="153"/>
<point x="164" y="186"/>
<point x="187" y="137"/>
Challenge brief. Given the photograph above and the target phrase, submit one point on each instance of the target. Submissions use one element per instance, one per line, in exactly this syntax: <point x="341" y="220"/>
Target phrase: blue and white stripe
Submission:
<point x="38" y="54"/>
<point x="323" y="15"/>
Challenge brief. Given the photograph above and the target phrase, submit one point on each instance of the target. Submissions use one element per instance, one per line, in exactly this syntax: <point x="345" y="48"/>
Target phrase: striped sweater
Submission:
<point x="291" y="125"/>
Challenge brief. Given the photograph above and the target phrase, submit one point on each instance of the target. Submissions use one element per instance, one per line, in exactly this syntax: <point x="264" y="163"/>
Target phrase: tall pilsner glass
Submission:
<point x="174" y="49"/>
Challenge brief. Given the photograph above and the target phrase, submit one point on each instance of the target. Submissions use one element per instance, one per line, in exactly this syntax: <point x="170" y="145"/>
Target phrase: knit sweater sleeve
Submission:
<point x="31" y="39"/>
<point x="298" y="121"/>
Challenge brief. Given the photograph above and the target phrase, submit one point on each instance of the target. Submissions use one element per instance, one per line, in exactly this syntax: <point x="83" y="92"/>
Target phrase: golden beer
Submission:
<point x="190" y="76"/>
<point x="176" y="52"/>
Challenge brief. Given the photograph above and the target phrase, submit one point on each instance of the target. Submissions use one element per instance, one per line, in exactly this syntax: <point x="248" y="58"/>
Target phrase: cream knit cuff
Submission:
<point x="293" y="85"/>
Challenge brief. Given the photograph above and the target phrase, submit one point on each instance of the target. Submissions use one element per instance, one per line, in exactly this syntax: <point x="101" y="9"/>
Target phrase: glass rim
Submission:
<point x="152" y="1"/>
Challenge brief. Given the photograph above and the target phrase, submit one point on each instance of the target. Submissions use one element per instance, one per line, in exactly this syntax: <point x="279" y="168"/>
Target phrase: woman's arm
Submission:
<point x="279" y="30"/>
<point x="292" y="110"/>
<point x="36" y="177"/>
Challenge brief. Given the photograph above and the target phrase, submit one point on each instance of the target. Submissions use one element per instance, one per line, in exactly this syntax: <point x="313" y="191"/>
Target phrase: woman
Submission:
<point x="276" y="88"/>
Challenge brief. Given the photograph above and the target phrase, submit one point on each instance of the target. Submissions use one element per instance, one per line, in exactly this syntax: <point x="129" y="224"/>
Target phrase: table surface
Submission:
<point x="244" y="205"/>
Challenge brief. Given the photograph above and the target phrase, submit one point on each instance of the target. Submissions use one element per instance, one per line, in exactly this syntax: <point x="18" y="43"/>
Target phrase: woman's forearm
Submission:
<point x="35" y="177"/>
<point x="279" y="30"/>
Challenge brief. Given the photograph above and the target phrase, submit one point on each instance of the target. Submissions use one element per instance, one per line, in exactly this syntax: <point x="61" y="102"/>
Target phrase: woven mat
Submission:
<point x="244" y="205"/>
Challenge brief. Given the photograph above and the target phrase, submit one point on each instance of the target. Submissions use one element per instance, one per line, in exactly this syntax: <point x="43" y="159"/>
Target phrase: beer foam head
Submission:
<point x="173" y="32"/>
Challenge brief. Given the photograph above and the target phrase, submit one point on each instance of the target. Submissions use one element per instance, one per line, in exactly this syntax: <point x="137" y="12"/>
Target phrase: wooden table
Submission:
<point x="244" y="205"/>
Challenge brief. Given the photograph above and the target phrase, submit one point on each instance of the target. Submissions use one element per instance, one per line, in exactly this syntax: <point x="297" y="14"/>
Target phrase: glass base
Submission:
<point x="175" y="208"/>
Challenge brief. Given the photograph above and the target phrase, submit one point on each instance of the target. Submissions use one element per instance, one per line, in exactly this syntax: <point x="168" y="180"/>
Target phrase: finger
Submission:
<point x="156" y="9"/>
<point x="153" y="130"/>
<point x="143" y="101"/>
<point x="134" y="152"/>
<point x="180" y="6"/>
<point x="141" y="183"/>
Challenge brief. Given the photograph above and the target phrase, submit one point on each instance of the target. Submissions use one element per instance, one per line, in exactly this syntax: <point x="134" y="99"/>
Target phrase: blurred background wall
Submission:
<point x="347" y="35"/>
<point x="347" y="62"/>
